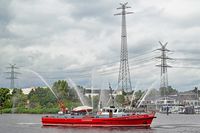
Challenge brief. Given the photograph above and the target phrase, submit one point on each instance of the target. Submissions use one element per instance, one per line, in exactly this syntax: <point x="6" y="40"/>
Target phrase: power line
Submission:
<point x="108" y="71"/>
<point x="187" y="59"/>
<point x="187" y="67"/>
<point x="134" y="60"/>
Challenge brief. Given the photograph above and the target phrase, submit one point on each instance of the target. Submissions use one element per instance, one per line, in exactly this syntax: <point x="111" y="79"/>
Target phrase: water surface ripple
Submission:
<point x="27" y="123"/>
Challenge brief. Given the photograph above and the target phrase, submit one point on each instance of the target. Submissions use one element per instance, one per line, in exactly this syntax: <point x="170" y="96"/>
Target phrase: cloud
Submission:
<point x="64" y="38"/>
<point x="5" y="18"/>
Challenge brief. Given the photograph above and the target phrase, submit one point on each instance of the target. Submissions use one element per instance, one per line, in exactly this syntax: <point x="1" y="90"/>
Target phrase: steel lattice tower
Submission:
<point x="12" y="73"/>
<point x="163" y="65"/>
<point x="124" y="81"/>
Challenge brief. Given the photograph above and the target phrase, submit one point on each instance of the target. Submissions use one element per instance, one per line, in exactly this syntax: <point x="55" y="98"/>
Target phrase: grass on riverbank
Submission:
<point x="31" y="111"/>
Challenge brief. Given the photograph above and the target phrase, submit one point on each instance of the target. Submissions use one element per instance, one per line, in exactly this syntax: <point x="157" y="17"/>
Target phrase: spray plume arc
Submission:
<point x="83" y="102"/>
<point x="44" y="81"/>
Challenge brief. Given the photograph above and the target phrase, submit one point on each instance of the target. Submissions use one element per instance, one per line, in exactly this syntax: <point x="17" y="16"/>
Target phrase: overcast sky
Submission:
<point x="80" y="39"/>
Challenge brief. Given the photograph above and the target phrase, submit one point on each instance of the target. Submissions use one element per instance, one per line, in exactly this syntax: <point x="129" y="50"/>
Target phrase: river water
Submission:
<point x="174" y="123"/>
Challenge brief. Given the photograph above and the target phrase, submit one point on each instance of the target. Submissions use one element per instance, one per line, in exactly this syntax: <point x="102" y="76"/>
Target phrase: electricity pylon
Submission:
<point x="124" y="81"/>
<point x="13" y="74"/>
<point x="163" y="65"/>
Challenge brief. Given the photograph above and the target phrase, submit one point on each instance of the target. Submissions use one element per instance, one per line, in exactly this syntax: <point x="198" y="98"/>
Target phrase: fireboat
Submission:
<point x="130" y="120"/>
<point x="111" y="116"/>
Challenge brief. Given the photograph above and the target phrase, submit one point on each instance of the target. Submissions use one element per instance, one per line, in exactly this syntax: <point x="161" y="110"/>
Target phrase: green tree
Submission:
<point x="138" y="94"/>
<point x="95" y="102"/>
<point x="19" y="99"/>
<point x="5" y="101"/>
<point x="17" y="91"/>
<point x="120" y="99"/>
<point x="61" y="88"/>
<point x="41" y="97"/>
<point x="164" y="91"/>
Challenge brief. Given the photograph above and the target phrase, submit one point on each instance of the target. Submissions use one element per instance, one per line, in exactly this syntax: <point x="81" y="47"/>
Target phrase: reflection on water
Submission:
<point x="24" y="123"/>
<point x="100" y="129"/>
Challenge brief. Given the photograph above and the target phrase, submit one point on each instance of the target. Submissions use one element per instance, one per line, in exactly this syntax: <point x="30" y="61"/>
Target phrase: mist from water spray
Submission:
<point x="14" y="100"/>
<point x="141" y="99"/>
<point x="133" y="95"/>
<point x="43" y="80"/>
<point x="81" y="96"/>
<point x="104" y="97"/>
<point x="110" y="96"/>
<point x="92" y="87"/>
<point x="146" y="93"/>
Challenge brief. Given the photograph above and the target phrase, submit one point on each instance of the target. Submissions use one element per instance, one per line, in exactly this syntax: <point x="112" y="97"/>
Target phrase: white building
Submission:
<point x="26" y="91"/>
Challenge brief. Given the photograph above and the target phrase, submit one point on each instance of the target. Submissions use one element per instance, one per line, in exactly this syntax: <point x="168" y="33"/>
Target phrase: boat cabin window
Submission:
<point x="120" y="110"/>
<point x="115" y="110"/>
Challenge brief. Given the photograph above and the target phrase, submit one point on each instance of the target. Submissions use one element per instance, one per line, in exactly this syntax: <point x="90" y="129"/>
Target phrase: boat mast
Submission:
<point x="111" y="96"/>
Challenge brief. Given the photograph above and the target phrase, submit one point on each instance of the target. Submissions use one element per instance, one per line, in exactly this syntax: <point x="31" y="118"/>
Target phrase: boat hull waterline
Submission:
<point x="139" y="120"/>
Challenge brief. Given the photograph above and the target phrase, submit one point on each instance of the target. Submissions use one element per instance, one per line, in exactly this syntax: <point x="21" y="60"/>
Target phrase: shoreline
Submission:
<point x="29" y="111"/>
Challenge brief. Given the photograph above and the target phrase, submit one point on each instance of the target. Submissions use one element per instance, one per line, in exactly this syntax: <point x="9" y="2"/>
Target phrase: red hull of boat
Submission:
<point x="140" y="120"/>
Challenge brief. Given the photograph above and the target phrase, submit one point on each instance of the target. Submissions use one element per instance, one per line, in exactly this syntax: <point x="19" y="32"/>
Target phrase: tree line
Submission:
<point x="42" y="100"/>
<point x="39" y="100"/>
